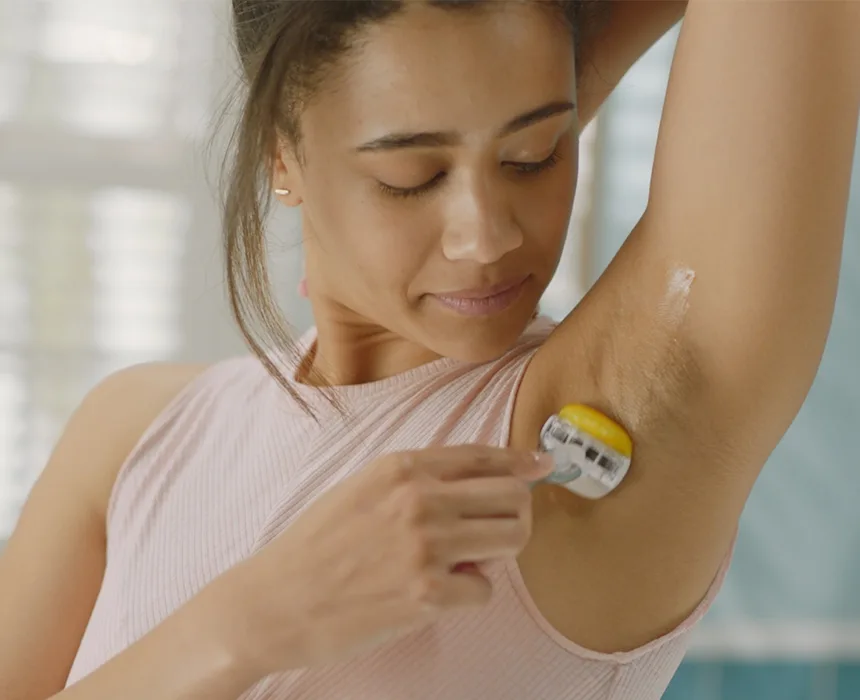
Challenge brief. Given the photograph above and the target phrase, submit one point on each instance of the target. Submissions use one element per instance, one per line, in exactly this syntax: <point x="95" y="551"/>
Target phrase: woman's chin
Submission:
<point x="481" y="342"/>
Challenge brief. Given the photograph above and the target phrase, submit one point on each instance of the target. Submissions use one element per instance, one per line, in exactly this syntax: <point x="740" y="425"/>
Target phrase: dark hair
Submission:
<point x="286" y="49"/>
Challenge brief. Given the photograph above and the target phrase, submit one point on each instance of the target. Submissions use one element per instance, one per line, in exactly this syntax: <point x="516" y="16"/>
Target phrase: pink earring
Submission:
<point x="303" y="284"/>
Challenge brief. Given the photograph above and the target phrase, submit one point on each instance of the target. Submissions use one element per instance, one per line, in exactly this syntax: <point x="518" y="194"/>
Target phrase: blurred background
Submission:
<point x="110" y="255"/>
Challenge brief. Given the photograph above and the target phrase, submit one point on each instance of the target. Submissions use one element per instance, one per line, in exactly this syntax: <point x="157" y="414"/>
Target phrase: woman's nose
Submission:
<point x="481" y="228"/>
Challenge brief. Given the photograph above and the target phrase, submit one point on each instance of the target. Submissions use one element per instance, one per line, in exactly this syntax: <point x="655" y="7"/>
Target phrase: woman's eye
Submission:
<point x="520" y="168"/>
<point x="538" y="167"/>
<point x="405" y="192"/>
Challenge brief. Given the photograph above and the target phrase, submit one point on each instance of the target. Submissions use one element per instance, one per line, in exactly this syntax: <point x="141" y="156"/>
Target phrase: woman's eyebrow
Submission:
<point x="435" y="139"/>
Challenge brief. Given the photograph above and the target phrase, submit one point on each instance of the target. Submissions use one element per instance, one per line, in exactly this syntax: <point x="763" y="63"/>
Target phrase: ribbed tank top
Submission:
<point x="233" y="460"/>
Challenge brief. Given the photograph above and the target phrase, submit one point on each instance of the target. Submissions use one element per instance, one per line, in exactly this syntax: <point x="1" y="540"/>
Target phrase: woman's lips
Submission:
<point x="483" y="302"/>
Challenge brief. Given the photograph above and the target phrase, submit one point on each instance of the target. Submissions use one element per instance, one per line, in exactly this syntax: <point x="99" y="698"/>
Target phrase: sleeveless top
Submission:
<point x="233" y="460"/>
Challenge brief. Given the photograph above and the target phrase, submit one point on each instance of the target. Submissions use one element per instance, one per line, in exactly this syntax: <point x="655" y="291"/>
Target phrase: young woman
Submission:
<point x="349" y="517"/>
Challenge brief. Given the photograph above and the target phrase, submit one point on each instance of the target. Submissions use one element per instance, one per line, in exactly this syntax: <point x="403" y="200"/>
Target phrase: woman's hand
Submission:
<point x="378" y="554"/>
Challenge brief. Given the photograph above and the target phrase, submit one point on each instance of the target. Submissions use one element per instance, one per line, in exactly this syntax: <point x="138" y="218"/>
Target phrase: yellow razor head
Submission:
<point x="591" y="452"/>
<point x="599" y="426"/>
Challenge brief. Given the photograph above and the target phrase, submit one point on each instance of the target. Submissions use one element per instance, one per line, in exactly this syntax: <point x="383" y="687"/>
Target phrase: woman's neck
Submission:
<point x="356" y="351"/>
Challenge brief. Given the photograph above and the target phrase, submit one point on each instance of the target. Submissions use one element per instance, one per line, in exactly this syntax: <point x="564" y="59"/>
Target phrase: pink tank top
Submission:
<point x="233" y="460"/>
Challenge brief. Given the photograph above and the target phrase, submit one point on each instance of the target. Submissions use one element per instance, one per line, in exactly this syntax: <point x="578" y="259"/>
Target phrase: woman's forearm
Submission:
<point x="190" y="656"/>
<point x="633" y="27"/>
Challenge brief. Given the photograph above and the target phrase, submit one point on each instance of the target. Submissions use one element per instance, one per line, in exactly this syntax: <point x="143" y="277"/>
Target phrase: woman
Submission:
<point x="202" y="533"/>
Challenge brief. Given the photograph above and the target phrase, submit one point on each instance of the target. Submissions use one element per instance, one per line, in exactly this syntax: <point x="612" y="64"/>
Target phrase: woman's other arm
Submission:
<point x="52" y="567"/>
<point x="704" y="335"/>
<point x="633" y="26"/>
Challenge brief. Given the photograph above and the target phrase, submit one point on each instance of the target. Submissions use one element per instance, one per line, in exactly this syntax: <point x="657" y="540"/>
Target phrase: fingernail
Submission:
<point x="542" y="464"/>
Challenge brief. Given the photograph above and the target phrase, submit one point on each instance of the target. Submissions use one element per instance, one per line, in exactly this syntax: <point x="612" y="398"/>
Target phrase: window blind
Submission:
<point x="104" y="106"/>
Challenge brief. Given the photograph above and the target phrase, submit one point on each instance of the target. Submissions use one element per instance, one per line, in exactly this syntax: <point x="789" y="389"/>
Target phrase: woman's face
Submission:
<point x="437" y="177"/>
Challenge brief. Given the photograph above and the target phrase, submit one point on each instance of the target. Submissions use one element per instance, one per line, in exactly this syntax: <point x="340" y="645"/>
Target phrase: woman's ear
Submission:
<point x="286" y="181"/>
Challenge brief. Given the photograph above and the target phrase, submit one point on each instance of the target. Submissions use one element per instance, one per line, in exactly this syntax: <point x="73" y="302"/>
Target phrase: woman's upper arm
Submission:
<point x="52" y="567"/>
<point x="706" y="331"/>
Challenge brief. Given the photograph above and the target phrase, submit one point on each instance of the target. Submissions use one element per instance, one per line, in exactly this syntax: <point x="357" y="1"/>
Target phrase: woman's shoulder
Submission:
<point x="129" y="403"/>
<point x="137" y="394"/>
<point x="116" y="413"/>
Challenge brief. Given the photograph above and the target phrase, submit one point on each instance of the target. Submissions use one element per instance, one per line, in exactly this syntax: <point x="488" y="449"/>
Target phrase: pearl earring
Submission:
<point x="282" y="193"/>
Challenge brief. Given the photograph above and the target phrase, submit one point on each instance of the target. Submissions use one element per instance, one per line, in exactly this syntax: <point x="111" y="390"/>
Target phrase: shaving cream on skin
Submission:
<point x="649" y="362"/>
<point x="676" y="299"/>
